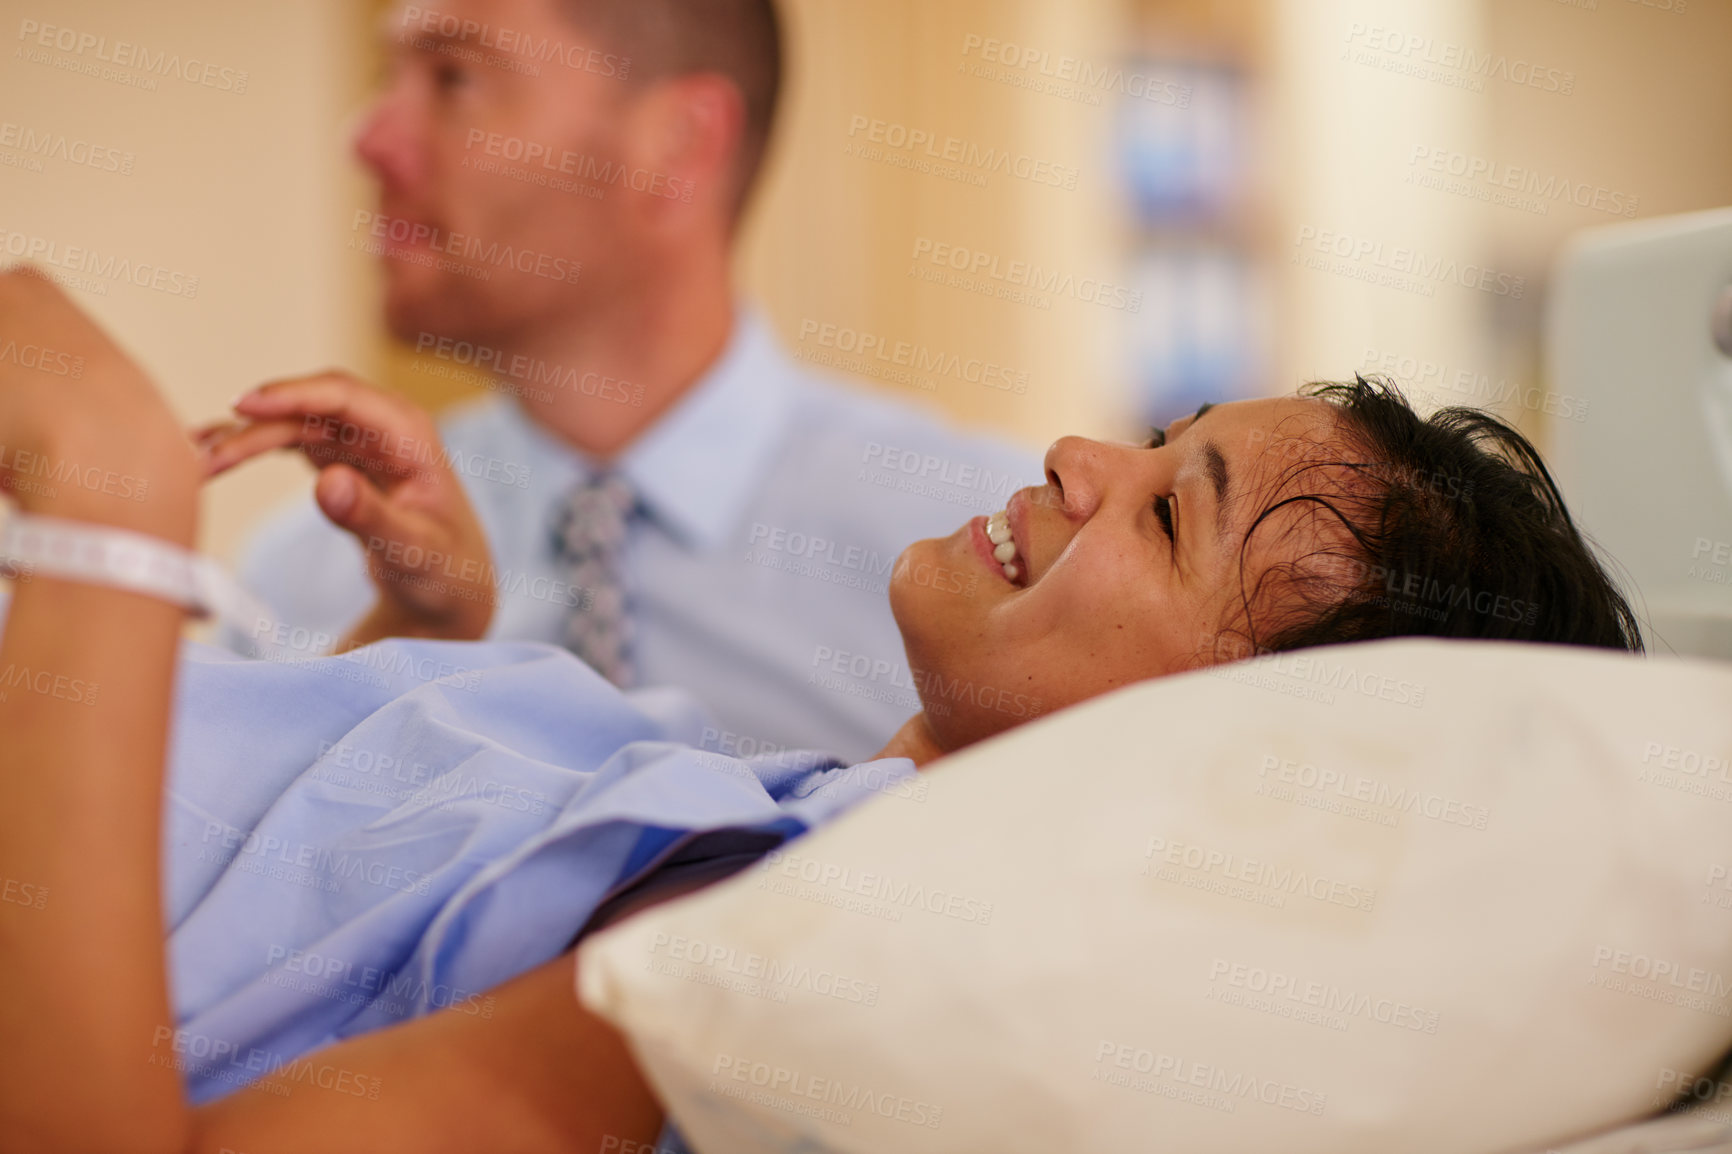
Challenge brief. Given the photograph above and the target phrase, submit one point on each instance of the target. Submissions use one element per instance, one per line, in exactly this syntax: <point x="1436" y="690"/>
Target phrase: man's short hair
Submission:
<point x="738" y="39"/>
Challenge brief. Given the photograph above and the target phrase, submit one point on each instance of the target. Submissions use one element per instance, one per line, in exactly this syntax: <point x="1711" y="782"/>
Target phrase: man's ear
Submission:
<point x="687" y="134"/>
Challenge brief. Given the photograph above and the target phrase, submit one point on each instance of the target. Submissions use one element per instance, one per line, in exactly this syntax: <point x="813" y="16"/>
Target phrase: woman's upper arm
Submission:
<point x="542" y="1074"/>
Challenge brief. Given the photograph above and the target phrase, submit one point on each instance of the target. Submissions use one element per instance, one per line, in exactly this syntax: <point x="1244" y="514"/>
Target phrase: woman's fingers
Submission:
<point x="354" y="503"/>
<point x="204" y="433"/>
<point x="377" y="432"/>
<point x="415" y="561"/>
<point x="229" y="445"/>
<point x="339" y="398"/>
<point x="385" y="477"/>
<point x="387" y="454"/>
<point x="327" y="393"/>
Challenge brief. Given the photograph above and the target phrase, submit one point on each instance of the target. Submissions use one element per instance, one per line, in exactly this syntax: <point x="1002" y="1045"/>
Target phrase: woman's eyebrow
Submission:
<point x="1215" y="465"/>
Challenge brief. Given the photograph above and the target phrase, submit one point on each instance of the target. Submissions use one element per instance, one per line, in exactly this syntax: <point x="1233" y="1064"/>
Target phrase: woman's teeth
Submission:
<point x="1003" y="548"/>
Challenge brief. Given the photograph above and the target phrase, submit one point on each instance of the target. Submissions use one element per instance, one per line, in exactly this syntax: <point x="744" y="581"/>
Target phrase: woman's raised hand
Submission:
<point x="385" y="478"/>
<point x="83" y="432"/>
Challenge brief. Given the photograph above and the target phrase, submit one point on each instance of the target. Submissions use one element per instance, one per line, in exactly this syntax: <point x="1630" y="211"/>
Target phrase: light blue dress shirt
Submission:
<point x="777" y="504"/>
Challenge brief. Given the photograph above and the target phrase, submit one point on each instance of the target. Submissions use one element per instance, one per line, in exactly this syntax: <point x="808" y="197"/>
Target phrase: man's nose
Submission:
<point x="384" y="143"/>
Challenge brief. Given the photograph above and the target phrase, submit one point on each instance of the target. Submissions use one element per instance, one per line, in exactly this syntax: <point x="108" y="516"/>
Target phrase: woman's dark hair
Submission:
<point x="1454" y="528"/>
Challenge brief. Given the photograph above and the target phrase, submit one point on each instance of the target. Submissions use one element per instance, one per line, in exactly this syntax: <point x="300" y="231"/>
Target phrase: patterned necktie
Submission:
<point x="589" y="532"/>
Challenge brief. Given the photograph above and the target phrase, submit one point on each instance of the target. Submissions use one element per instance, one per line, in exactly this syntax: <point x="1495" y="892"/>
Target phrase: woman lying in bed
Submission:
<point x="524" y="808"/>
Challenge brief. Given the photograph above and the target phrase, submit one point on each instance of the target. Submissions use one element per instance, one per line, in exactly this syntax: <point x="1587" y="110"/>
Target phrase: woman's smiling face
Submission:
<point x="1129" y="562"/>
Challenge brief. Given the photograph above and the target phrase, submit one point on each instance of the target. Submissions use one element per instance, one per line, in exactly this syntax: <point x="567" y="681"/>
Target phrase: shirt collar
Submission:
<point x="696" y="468"/>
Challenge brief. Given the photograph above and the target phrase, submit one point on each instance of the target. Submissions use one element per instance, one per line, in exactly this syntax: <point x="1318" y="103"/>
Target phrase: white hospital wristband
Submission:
<point x="121" y="559"/>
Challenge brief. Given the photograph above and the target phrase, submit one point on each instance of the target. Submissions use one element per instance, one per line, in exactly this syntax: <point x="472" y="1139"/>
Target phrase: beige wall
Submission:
<point x="1642" y="128"/>
<point x="1648" y="124"/>
<point x="248" y="191"/>
<point x="834" y="238"/>
<point x="1650" y="116"/>
<point x="240" y="189"/>
<point x="1340" y="131"/>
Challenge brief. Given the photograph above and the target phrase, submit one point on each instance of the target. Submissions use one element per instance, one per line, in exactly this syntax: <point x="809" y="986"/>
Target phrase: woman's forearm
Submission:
<point x="86" y="681"/>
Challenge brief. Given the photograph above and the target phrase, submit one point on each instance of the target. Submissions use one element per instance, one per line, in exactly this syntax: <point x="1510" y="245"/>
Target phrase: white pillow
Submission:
<point x="1672" y="1134"/>
<point x="1416" y="895"/>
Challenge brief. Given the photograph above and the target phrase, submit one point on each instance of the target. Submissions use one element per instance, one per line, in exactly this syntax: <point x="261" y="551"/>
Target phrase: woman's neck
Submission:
<point x="916" y="742"/>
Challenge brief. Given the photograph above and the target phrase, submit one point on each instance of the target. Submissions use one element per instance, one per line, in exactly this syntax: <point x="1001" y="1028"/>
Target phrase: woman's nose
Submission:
<point x="1087" y="472"/>
<point x="1074" y="467"/>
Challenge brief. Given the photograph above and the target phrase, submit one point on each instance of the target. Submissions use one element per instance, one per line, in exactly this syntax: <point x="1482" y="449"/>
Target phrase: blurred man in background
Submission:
<point x="659" y="487"/>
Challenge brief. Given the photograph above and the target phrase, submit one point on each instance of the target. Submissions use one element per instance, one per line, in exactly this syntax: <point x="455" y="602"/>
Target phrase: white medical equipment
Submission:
<point x="1640" y="329"/>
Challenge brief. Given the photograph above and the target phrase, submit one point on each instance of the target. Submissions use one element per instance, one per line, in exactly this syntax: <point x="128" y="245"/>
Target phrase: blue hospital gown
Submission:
<point x="351" y="841"/>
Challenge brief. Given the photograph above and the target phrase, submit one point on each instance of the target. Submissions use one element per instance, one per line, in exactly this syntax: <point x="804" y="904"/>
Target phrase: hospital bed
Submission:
<point x="1462" y="898"/>
<point x="1442" y="898"/>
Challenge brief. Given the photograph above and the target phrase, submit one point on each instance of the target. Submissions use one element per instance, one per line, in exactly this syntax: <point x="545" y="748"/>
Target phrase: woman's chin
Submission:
<point x="906" y="604"/>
